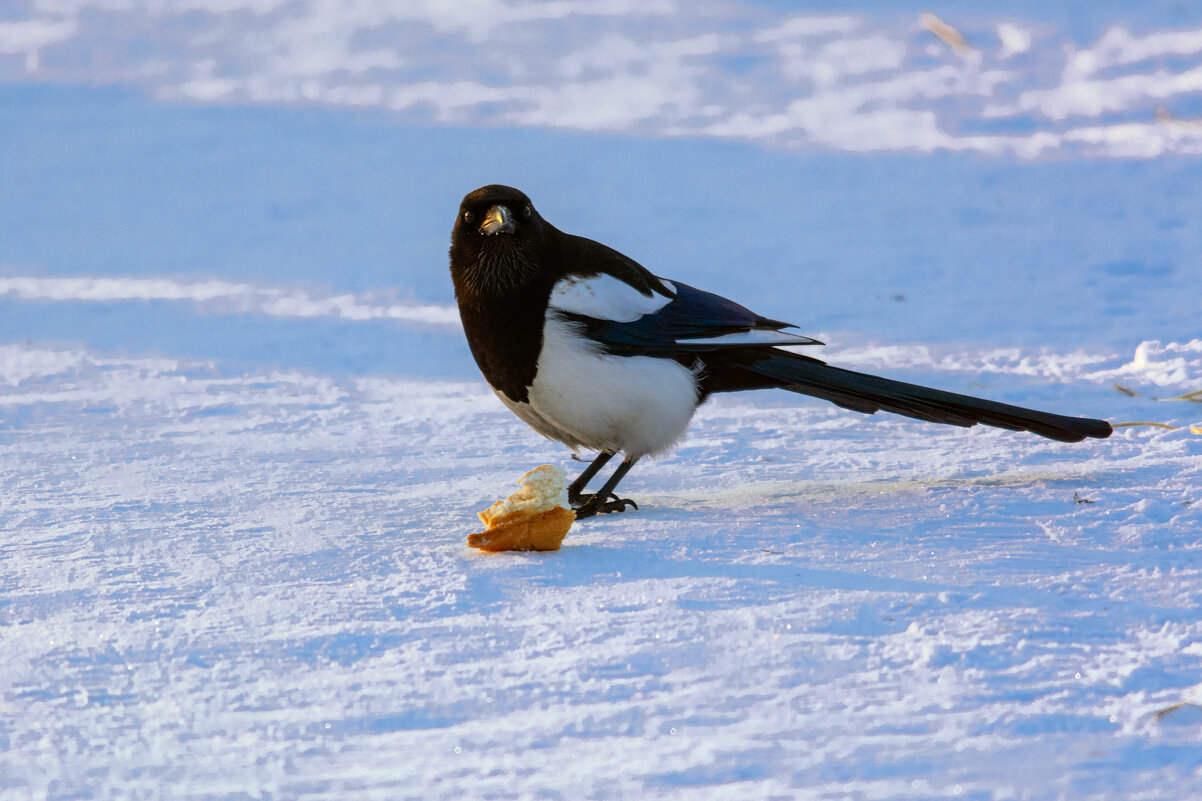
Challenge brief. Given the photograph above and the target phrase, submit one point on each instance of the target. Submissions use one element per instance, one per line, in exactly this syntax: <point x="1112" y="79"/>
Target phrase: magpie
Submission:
<point x="591" y="349"/>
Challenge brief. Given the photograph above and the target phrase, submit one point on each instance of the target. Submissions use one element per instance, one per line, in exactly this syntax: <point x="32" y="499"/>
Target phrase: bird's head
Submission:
<point x="496" y="239"/>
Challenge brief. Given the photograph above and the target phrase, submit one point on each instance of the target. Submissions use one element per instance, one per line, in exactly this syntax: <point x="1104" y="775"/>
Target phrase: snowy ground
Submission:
<point x="242" y="442"/>
<point x="258" y="586"/>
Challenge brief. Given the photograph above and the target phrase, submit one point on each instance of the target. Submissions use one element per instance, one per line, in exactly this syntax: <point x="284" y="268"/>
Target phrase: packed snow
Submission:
<point x="1033" y="80"/>
<point x="242" y="441"/>
<point x="258" y="586"/>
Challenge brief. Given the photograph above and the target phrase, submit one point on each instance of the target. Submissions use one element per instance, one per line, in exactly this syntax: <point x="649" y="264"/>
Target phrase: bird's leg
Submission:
<point x="576" y="496"/>
<point x="599" y="502"/>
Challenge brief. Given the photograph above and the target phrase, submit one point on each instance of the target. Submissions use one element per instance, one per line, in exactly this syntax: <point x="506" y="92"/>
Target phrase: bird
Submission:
<point x="591" y="349"/>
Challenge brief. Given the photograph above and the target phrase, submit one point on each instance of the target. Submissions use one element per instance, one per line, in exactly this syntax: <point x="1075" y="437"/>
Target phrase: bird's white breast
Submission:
<point x="637" y="405"/>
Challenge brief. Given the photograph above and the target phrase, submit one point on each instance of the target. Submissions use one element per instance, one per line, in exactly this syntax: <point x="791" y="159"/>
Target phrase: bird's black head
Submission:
<point x="497" y="240"/>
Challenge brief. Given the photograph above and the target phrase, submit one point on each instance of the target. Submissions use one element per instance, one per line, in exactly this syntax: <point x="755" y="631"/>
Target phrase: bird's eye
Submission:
<point x="526" y="212"/>
<point x="469" y="217"/>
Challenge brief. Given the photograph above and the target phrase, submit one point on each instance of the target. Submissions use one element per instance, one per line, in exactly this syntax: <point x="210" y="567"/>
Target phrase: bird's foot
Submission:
<point x="597" y="505"/>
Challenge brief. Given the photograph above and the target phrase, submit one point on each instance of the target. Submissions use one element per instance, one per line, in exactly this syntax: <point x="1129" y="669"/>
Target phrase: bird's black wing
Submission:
<point x="668" y="321"/>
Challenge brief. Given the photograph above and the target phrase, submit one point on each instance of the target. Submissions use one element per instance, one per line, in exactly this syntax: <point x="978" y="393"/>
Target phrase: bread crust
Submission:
<point x="525" y="531"/>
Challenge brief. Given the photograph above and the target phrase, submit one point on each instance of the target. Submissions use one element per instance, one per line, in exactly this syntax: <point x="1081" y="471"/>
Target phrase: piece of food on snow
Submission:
<point x="535" y="518"/>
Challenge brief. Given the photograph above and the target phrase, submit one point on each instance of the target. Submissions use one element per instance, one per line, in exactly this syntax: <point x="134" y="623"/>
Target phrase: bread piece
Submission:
<point x="522" y="531"/>
<point x="535" y="518"/>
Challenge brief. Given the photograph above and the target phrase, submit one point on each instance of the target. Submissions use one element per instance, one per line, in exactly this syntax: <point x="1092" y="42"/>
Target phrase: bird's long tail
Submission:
<point x="868" y="393"/>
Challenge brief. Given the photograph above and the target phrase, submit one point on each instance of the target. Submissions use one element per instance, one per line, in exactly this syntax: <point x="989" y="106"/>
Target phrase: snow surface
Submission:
<point x="242" y="442"/>
<point x="1030" y="80"/>
<point x="258" y="587"/>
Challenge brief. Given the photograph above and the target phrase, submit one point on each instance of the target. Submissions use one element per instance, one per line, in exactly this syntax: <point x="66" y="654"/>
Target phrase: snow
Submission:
<point x="1015" y="40"/>
<point x="1068" y="81"/>
<point x="259" y="587"/>
<point x="215" y="296"/>
<point x="242" y="441"/>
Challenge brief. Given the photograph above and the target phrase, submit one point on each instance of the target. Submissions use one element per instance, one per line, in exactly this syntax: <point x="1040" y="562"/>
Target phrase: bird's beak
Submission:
<point x="499" y="220"/>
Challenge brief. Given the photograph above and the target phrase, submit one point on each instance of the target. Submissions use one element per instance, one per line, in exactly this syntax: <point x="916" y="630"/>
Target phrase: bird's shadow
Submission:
<point x="593" y="564"/>
<point x="603" y="551"/>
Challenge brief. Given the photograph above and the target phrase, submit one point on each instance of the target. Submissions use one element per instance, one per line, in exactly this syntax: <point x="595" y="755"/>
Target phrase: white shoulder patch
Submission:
<point x="606" y="298"/>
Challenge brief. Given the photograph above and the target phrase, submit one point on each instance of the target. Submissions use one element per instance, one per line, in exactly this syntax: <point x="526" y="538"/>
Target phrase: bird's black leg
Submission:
<point x="599" y="502"/>
<point x="576" y="496"/>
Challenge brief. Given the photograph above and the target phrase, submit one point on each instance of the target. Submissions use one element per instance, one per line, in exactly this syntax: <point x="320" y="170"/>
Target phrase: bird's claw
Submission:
<point x="594" y="505"/>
